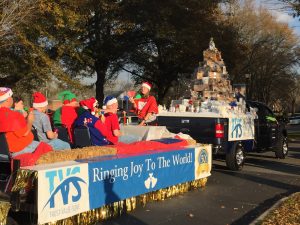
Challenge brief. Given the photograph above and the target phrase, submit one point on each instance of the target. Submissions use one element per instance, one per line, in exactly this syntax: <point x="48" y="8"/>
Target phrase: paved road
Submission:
<point x="293" y="128"/>
<point x="229" y="197"/>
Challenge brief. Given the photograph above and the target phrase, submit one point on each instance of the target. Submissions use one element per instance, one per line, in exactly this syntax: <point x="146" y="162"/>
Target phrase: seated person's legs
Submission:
<point x="29" y="149"/>
<point x="58" y="144"/>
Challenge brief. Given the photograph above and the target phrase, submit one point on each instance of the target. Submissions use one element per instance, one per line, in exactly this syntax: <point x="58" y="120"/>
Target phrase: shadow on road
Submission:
<point x="261" y="155"/>
<point x="269" y="162"/>
<point x="294" y="152"/>
<point x="125" y="219"/>
<point x="251" y="215"/>
<point x="297" y="141"/>
<point x="279" y="166"/>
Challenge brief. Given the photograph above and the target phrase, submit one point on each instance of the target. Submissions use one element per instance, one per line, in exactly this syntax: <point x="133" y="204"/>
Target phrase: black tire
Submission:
<point x="235" y="158"/>
<point x="282" y="148"/>
<point x="11" y="221"/>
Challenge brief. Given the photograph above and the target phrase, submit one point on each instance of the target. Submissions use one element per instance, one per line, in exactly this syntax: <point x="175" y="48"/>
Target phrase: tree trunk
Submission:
<point x="162" y="91"/>
<point x="293" y="110"/>
<point x="101" y="69"/>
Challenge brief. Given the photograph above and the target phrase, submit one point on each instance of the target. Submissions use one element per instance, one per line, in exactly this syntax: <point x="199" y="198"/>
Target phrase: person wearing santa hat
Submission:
<point x="67" y="114"/>
<point x="43" y="125"/>
<point x="146" y="106"/>
<point x="19" y="105"/>
<point x="111" y="119"/>
<point x="95" y="122"/>
<point x="17" y="129"/>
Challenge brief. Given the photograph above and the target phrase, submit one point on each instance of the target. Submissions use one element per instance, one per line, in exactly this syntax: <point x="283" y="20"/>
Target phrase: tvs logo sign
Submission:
<point x="60" y="183"/>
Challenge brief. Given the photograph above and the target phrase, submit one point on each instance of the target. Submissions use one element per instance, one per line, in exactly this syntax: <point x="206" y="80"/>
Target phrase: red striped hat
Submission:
<point x="5" y="93"/>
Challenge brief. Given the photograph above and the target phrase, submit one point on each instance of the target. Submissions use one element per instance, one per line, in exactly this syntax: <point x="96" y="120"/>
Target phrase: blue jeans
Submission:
<point x="29" y="149"/>
<point x="58" y="144"/>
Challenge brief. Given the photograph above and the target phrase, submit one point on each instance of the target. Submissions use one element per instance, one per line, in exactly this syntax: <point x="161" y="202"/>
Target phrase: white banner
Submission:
<point x="62" y="192"/>
<point x="240" y="128"/>
<point x="69" y="188"/>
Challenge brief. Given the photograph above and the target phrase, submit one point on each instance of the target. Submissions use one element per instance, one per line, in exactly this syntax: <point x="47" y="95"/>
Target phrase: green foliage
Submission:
<point x="270" y="54"/>
<point x="171" y="37"/>
<point x="158" y="41"/>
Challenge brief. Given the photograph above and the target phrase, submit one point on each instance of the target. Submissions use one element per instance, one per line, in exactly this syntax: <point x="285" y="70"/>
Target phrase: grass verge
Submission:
<point x="287" y="213"/>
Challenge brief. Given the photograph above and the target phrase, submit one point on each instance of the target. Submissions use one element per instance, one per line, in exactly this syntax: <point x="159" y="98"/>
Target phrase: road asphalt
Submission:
<point x="229" y="197"/>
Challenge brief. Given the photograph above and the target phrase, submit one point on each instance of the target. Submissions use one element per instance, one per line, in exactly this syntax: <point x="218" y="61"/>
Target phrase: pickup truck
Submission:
<point x="269" y="133"/>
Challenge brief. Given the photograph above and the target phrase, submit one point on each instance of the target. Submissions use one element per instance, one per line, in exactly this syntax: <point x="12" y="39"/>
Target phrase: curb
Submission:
<point x="263" y="215"/>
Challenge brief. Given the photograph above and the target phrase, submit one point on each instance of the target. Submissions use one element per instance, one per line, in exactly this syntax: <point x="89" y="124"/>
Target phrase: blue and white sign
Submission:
<point x="123" y="178"/>
<point x="241" y="128"/>
<point x="64" y="191"/>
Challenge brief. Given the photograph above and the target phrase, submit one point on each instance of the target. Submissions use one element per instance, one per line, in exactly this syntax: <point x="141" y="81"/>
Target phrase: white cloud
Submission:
<point x="282" y="17"/>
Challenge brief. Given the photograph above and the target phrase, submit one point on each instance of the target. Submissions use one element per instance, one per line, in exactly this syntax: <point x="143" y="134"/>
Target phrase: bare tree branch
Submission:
<point x="12" y="14"/>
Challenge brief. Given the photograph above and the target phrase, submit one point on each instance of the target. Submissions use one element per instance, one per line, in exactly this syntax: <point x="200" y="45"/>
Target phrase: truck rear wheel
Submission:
<point x="235" y="158"/>
<point x="281" y="149"/>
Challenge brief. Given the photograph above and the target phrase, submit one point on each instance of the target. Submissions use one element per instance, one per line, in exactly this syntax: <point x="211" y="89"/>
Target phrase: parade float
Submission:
<point x="220" y="115"/>
<point x="83" y="186"/>
<point x="215" y="113"/>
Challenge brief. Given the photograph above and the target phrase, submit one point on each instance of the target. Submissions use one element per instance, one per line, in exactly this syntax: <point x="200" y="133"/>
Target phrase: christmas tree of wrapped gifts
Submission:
<point x="211" y="80"/>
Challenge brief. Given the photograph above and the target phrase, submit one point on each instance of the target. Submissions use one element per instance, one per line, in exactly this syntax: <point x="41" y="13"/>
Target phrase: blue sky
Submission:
<point x="282" y="13"/>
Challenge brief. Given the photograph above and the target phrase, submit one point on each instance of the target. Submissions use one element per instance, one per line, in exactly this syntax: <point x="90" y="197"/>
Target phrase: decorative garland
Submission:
<point x="25" y="178"/>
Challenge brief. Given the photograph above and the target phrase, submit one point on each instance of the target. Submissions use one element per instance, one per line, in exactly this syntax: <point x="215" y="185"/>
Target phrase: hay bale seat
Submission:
<point x="84" y="153"/>
<point x="76" y="154"/>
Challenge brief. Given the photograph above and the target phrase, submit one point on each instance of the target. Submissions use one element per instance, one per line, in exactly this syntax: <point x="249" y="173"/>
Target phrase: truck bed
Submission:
<point x="202" y="129"/>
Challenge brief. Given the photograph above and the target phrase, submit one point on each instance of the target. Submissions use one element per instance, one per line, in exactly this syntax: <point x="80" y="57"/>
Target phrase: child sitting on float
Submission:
<point x="42" y="123"/>
<point x="94" y="121"/>
<point x="111" y="119"/>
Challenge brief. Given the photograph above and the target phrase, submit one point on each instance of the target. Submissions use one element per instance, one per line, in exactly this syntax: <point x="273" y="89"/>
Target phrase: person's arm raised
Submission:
<point x="131" y="99"/>
<point x="30" y="119"/>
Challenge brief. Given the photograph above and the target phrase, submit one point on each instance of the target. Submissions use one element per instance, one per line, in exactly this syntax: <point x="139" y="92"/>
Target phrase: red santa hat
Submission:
<point x="89" y="104"/>
<point x="5" y="93"/>
<point x="39" y="100"/>
<point x="147" y="85"/>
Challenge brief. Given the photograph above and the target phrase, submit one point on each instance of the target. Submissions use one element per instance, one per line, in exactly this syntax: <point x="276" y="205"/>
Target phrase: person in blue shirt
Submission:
<point x="94" y="121"/>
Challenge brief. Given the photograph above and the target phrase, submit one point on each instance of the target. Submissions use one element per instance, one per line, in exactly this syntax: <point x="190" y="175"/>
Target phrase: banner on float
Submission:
<point x="240" y="128"/>
<point x="62" y="192"/>
<point x="126" y="177"/>
<point x="67" y="191"/>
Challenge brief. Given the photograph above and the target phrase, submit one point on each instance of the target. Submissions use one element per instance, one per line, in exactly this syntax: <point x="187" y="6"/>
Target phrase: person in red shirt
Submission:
<point x="111" y="119"/>
<point x="66" y="115"/>
<point x="145" y="107"/>
<point x="17" y="131"/>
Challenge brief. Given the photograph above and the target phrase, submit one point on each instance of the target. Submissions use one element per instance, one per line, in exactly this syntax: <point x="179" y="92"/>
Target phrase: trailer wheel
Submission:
<point x="282" y="147"/>
<point x="235" y="158"/>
